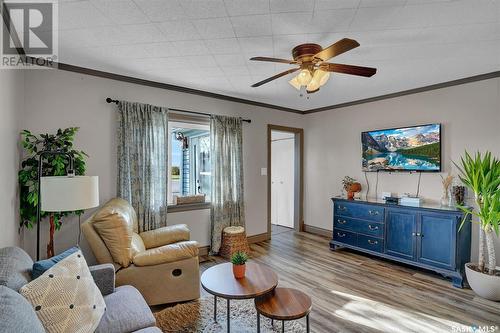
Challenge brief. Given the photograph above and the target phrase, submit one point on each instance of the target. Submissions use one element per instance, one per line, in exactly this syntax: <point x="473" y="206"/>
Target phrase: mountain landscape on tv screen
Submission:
<point x="412" y="148"/>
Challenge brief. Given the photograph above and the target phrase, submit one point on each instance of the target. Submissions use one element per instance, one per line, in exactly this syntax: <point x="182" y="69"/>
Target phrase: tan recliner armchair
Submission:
<point x="162" y="264"/>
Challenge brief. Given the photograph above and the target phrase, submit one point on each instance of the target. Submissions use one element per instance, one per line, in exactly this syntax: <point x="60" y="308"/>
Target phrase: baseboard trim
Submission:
<point x="258" y="238"/>
<point x="317" y="231"/>
<point x="204" y="250"/>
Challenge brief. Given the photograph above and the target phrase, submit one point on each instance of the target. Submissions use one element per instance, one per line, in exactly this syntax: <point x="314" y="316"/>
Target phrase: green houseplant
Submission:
<point x="53" y="165"/>
<point x="239" y="260"/>
<point x="481" y="173"/>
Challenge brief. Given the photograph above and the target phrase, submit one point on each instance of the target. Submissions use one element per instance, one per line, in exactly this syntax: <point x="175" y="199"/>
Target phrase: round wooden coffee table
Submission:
<point x="220" y="282"/>
<point x="283" y="304"/>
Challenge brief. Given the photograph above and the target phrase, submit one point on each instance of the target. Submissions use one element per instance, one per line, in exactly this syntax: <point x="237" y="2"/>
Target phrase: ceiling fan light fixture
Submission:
<point x="313" y="86"/>
<point x="295" y="83"/>
<point x="321" y="76"/>
<point x="304" y="77"/>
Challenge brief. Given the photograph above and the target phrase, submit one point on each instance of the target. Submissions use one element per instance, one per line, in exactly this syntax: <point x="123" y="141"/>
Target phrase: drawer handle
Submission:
<point x="341" y="221"/>
<point x="417" y="234"/>
<point x="340" y="235"/>
<point x="373" y="212"/>
<point x="372" y="242"/>
<point x="343" y="208"/>
<point x="371" y="227"/>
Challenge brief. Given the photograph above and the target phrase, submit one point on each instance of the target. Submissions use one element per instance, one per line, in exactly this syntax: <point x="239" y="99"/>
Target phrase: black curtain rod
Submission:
<point x="109" y="100"/>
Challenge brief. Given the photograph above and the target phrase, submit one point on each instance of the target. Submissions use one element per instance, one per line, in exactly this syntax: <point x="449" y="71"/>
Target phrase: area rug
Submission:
<point x="198" y="316"/>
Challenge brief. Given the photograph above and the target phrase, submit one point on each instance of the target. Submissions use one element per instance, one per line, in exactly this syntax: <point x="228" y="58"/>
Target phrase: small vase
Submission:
<point x="445" y="199"/>
<point x="239" y="271"/>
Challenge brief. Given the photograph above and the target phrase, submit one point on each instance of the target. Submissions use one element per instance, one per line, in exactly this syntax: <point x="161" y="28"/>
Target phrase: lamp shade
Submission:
<point x="67" y="194"/>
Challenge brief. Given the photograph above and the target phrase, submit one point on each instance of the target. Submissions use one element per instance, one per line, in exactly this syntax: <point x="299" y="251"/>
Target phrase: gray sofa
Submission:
<point x="126" y="309"/>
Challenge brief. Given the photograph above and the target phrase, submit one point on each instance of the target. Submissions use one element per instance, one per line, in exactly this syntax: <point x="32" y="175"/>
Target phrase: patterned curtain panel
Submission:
<point x="227" y="176"/>
<point x="142" y="161"/>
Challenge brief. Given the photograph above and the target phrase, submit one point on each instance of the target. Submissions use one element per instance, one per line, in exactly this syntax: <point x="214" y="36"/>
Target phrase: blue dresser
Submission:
<point x="426" y="236"/>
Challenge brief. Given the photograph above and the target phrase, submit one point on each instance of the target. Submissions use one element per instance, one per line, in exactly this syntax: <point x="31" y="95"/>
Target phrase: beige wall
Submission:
<point x="62" y="99"/>
<point x="470" y="115"/>
<point x="11" y="105"/>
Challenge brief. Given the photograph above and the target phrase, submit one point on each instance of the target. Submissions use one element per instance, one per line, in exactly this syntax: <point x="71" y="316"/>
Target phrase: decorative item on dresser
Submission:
<point x="351" y="186"/>
<point x="427" y="236"/>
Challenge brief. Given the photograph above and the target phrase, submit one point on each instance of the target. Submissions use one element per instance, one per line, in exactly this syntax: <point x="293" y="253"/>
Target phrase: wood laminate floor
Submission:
<point x="352" y="292"/>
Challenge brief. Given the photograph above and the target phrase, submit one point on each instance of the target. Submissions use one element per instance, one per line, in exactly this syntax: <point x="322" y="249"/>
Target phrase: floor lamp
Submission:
<point x="64" y="193"/>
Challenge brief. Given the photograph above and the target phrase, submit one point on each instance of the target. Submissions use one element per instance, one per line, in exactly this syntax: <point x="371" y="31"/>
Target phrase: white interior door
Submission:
<point x="282" y="179"/>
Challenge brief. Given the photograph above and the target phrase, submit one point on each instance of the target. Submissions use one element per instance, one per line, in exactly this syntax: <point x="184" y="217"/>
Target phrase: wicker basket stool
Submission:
<point x="234" y="239"/>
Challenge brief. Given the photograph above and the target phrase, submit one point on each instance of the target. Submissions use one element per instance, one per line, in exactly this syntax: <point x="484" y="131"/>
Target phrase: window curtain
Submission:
<point x="143" y="161"/>
<point x="227" y="177"/>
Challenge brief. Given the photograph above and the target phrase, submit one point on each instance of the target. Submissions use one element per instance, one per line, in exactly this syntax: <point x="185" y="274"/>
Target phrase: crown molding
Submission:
<point x="441" y="85"/>
<point x="166" y="86"/>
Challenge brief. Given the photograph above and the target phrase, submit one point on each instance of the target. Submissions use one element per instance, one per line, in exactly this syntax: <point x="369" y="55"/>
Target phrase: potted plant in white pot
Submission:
<point x="481" y="174"/>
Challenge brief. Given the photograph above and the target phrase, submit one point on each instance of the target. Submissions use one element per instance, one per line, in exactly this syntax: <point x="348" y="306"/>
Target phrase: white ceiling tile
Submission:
<point x="204" y="8"/>
<point x="140" y="33"/>
<point x="257" y="45"/>
<point x="159" y="50"/>
<point x="223" y="45"/>
<point x="331" y="20"/>
<point x="100" y="36"/>
<point x="252" y="25"/>
<point x="121" y="11"/>
<point x="214" y="28"/>
<point x="291" y="23"/>
<point x="121" y="51"/>
<point x="190" y="47"/>
<point x="162" y="10"/>
<point x="201" y="61"/>
<point x="245" y="7"/>
<point x="464" y="12"/>
<point x="284" y="44"/>
<point x="335" y="4"/>
<point x="74" y="15"/>
<point x="232" y="60"/>
<point x="179" y="30"/>
<point x="235" y="71"/>
<point x="261" y="70"/>
<point x="285" y="6"/>
<point x="374" y="18"/>
<point x="377" y="3"/>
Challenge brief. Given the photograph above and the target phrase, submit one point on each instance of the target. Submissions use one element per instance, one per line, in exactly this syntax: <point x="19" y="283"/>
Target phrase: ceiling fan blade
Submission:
<point x="269" y="79"/>
<point x="284" y="61"/>
<point x="348" y="69"/>
<point x="337" y="48"/>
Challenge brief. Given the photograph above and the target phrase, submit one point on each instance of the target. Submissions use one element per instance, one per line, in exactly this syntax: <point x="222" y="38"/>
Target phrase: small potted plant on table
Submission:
<point x="239" y="259"/>
<point x="482" y="175"/>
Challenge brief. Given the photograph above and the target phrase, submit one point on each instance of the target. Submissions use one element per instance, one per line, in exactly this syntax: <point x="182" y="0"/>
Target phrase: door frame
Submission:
<point x="298" y="175"/>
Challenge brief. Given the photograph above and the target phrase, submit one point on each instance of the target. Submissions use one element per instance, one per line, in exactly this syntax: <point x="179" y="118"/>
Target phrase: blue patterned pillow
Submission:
<point x="41" y="266"/>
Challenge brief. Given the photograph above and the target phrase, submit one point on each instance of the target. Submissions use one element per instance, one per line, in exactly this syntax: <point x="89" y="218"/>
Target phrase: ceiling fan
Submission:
<point x="314" y="68"/>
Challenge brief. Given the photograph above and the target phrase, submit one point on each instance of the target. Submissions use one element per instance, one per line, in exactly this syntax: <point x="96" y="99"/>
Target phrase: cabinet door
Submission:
<point x="436" y="240"/>
<point x="400" y="231"/>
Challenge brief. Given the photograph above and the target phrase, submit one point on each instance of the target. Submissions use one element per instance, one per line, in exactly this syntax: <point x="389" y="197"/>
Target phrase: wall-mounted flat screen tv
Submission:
<point x="416" y="148"/>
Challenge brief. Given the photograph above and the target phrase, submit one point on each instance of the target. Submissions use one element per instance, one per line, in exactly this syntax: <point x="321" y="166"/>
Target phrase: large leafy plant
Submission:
<point x="481" y="174"/>
<point x="52" y="165"/>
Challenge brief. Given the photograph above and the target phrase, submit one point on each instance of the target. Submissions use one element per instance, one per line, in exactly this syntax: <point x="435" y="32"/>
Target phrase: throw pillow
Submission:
<point x="41" y="266"/>
<point x="16" y="314"/>
<point x="65" y="297"/>
<point x="114" y="224"/>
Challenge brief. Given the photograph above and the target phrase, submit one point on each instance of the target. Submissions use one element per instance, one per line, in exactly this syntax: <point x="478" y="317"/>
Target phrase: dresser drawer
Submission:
<point x="345" y="237"/>
<point x="370" y="228"/>
<point x="371" y="243"/>
<point x="360" y="211"/>
<point x="345" y="223"/>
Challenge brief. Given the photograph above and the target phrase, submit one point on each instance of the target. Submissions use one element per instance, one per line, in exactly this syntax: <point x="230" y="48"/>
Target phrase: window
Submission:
<point x="189" y="159"/>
